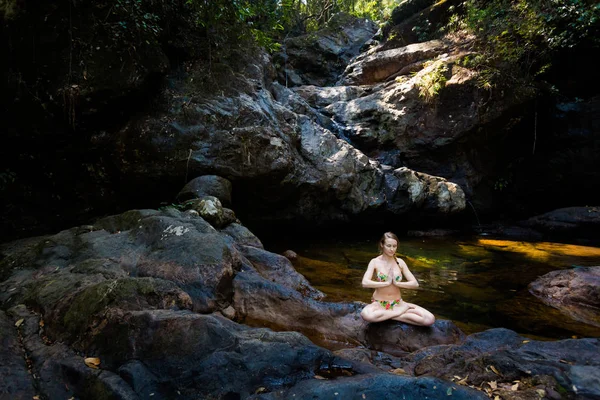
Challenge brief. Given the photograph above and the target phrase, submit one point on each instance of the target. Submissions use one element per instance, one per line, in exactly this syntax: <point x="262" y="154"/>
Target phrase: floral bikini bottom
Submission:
<point x="388" y="305"/>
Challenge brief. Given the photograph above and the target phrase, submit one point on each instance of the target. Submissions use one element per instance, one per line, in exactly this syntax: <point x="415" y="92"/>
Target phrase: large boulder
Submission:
<point x="575" y="292"/>
<point x="502" y="363"/>
<point x="398" y="338"/>
<point x="207" y="185"/>
<point x="567" y="222"/>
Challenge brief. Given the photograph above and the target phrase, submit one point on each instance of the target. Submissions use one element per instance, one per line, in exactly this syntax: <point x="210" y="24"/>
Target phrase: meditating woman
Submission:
<point x="392" y="274"/>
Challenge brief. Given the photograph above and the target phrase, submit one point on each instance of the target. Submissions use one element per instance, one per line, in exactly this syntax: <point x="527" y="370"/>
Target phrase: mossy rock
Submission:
<point x="126" y="294"/>
<point x="19" y="254"/>
<point x="123" y="222"/>
<point x="107" y="268"/>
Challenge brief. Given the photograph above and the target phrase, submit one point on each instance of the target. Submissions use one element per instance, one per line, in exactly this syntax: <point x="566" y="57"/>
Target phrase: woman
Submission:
<point x="387" y="301"/>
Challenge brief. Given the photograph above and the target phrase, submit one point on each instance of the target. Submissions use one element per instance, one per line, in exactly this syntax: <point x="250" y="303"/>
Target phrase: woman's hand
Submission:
<point x="411" y="282"/>
<point x="368" y="282"/>
<point x="396" y="279"/>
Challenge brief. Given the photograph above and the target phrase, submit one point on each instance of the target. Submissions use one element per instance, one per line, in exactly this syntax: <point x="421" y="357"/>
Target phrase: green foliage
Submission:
<point x="8" y="9"/>
<point x="376" y="10"/>
<point x="131" y="22"/>
<point x="433" y="81"/>
<point x="487" y="73"/>
<point x="527" y="32"/>
<point x="422" y="31"/>
<point x="501" y="184"/>
<point x="267" y="22"/>
<point x="225" y="22"/>
<point x="7" y="178"/>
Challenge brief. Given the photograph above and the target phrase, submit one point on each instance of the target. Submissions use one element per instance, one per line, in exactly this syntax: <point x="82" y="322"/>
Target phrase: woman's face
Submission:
<point x="389" y="247"/>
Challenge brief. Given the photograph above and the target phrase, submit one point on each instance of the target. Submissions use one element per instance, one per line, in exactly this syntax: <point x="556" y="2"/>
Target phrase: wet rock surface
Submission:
<point x="575" y="292"/>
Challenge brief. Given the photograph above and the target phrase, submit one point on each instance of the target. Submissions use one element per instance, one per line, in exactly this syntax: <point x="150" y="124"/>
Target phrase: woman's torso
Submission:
<point x="387" y="268"/>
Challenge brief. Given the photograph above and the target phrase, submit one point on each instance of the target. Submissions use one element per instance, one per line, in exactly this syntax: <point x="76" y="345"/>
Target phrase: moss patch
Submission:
<point x="128" y="294"/>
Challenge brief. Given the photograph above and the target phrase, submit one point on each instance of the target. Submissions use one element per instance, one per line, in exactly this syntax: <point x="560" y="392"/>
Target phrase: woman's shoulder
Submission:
<point x="375" y="261"/>
<point x="401" y="262"/>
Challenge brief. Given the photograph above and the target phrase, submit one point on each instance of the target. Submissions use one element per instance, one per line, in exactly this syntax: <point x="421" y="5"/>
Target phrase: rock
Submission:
<point x="15" y="381"/>
<point x="380" y="66"/>
<point x="59" y="371"/>
<point x="556" y="366"/>
<point x="228" y="312"/>
<point x="279" y="269"/>
<point x="318" y="58"/>
<point x="242" y="235"/>
<point x="398" y="338"/>
<point x="262" y="301"/>
<point x="290" y="255"/>
<point x="207" y="185"/>
<point x="569" y="221"/>
<point x="575" y="292"/>
<point x="376" y="386"/>
<point x="192" y="355"/>
<point x="211" y="209"/>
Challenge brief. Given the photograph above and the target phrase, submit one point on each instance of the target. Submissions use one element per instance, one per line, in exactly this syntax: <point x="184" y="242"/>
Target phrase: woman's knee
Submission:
<point x="368" y="315"/>
<point x="365" y="314"/>
<point x="428" y="319"/>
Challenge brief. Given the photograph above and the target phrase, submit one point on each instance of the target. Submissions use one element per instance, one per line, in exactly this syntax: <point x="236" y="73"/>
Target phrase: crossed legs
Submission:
<point x="403" y="312"/>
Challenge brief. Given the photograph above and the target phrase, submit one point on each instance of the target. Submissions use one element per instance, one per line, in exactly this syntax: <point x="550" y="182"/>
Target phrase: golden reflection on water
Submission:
<point x="541" y="251"/>
<point x="478" y="283"/>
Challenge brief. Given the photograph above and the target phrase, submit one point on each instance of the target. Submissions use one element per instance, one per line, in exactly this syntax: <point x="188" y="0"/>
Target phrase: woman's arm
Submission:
<point x="367" y="280"/>
<point x="411" y="282"/>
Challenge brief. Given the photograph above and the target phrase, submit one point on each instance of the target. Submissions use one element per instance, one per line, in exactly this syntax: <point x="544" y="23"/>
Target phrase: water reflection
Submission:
<point x="478" y="283"/>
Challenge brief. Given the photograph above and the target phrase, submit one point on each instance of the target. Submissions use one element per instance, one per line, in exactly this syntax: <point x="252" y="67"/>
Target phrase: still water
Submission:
<point x="477" y="282"/>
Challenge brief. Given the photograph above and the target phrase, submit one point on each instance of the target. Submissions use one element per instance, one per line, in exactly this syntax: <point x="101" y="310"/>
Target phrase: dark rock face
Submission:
<point x="318" y="58"/>
<point x="567" y="222"/>
<point x="575" y="292"/>
<point x="165" y="354"/>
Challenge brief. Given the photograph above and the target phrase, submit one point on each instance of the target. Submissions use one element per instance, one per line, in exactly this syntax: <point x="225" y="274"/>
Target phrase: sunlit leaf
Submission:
<point x="398" y="371"/>
<point x="92" y="362"/>
<point x="493" y="385"/>
<point x="320" y="377"/>
<point x="495" y="370"/>
<point x="514" y="387"/>
<point x="19" y="322"/>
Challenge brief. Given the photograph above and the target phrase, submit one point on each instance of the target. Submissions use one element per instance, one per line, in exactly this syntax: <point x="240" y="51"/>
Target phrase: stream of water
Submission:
<point x="477" y="282"/>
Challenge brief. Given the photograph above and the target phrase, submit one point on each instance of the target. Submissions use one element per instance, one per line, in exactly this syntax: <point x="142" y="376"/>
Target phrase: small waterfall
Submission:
<point x="339" y="131"/>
